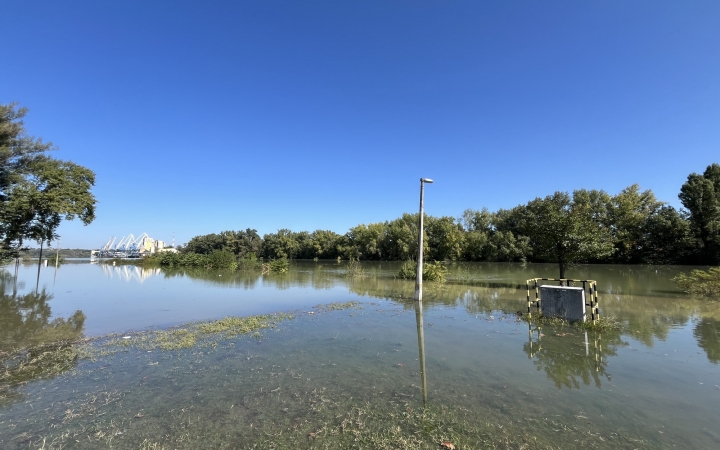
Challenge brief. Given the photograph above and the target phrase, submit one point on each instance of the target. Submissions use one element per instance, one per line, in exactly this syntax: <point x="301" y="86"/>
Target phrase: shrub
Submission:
<point x="354" y="269"/>
<point x="704" y="283"/>
<point x="276" y="266"/>
<point x="432" y="271"/>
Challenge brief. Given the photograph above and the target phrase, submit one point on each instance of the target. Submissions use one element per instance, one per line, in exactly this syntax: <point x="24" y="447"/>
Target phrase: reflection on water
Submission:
<point x="649" y="385"/>
<point x="128" y="273"/>
<point x="421" y="346"/>
<point x="571" y="356"/>
<point x="707" y="333"/>
<point x="32" y="345"/>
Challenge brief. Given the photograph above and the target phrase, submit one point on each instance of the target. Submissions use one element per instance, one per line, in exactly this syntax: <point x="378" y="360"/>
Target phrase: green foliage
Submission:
<point x="701" y="196"/>
<point x="667" y="238"/>
<point x="628" y="213"/>
<point x="37" y="192"/>
<point x="432" y="271"/>
<point x="280" y="265"/>
<point x="283" y="244"/>
<point x="704" y="283"/>
<point x="239" y="243"/>
<point x="249" y="262"/>
<point x="354" y="269"/>
<point x="218" y="259"/>
<point x="600" y="324"/>
<point x="588" y="226"/>
<point x="562" y="230"/>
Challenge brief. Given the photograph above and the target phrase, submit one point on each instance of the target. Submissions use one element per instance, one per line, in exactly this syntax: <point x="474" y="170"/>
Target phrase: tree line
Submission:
<point x="591" y="226"/>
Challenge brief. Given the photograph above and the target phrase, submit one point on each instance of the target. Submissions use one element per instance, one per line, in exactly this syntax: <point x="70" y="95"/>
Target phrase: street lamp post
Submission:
<point x="418" y="278"/>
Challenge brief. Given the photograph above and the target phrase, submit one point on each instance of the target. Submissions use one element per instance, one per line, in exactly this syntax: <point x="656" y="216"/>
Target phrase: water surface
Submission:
<point x="355" y="374"/>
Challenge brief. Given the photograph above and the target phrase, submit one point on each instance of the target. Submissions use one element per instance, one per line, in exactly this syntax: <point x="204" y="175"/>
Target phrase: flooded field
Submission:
<point x="126" y="357"/>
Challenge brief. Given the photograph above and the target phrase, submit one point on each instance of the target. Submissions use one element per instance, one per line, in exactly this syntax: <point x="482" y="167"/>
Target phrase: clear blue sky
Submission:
<point x="199" y="117"/>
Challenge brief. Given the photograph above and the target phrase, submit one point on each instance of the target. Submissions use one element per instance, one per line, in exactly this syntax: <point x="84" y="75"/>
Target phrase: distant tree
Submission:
<point x="37" y="192"/>
<point x="205" y="244"/>
<point x="401" y="238"/>
<point x="366" y="242"/>
<point x="487" y="239"/>
<point x="242" y="243"/>
<point x="666" y="238"/>
<point x="474" y="220"/>
<point x="628" y="214"/>
<point x="563" y="231"/>
<point x="283" y="244"/>
<point x="325" y="244"/>
<point x="701" y="196"/>
<point x="446" y="238"/>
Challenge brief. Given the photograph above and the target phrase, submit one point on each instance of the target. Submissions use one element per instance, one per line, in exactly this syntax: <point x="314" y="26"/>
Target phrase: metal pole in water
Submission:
<point x="418" y="277"/>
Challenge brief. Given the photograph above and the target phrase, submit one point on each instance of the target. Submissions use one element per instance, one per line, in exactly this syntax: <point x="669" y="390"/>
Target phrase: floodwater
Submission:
<point x="353" y="377"/>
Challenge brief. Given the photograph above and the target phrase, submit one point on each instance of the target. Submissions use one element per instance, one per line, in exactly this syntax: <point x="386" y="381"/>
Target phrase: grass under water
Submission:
<point x="331" y="379"/>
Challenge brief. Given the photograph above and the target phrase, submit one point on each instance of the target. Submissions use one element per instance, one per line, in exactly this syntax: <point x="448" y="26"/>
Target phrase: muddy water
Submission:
<point x="352" y="377"/>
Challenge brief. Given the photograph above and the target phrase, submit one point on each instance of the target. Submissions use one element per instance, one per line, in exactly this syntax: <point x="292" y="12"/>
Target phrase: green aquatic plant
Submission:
<point x="704" y="283"/>
<point x="280" y="265"/>
<point x="191" y="335"/>
<point x="599" y="324"/>
<point x="337" y="306"/>
<point x="432" y="271"/>
<point x="354" y="269"/>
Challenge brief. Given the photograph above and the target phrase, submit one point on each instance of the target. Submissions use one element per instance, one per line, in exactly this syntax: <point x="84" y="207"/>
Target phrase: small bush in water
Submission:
<point x="277" y="265"/>
<point x="705" y="283"/>
<point x="432" y="271"/>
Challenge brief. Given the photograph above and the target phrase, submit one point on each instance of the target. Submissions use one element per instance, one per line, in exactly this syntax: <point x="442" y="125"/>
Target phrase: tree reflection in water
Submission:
<point x="707" y="333"/>
<point x="569" y="356"/>
<point x="32" y="345"/>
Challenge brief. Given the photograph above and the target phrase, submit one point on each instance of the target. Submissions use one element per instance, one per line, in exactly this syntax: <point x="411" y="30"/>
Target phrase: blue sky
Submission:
<point x="199" y="117"/>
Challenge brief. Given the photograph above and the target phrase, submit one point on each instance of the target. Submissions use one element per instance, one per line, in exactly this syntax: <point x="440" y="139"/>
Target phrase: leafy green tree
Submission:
<point x="495" y="236"/>
<point x="563" y="231"/>
<point x="205" y="244"/>
<point x="628" y="214"/>
<point x="505" y="246"/>
<point x="283" y="244"/>
<point x="325" y="244"/>
<point x="242" y="243"/>
<point x="366" y="241"/>
<point x="37" y="192"/>
<point x="474" y="220"/>
<point x="666" y="238"/>
<point x="306" y="246"/>
<point x="402" y="236"/>
<point x="701" y="196"/>
<point x="445" y="238"/>
<point x="513" y="220"/>
<point x="476" y="243"/>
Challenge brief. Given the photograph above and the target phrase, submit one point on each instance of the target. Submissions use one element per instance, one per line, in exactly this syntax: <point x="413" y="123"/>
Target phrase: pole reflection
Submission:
<point x="421" y="346"/>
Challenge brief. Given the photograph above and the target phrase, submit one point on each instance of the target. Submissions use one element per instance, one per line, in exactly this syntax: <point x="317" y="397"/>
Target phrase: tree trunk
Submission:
<point x="561" y="263"/>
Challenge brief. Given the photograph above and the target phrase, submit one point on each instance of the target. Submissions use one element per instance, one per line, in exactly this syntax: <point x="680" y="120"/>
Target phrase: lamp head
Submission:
<point x="426" y="180"/>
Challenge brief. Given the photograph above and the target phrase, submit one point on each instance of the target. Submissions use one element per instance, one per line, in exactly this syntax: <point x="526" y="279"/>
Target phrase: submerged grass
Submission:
<point x="49" y="359"/>
<point x="337" y="306"/>
<point x="600" y="324"/>
<point x="196" y="334"/>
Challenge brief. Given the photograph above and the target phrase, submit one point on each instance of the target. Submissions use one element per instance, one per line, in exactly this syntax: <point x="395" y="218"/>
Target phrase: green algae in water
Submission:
<point x="186" y="336"/>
